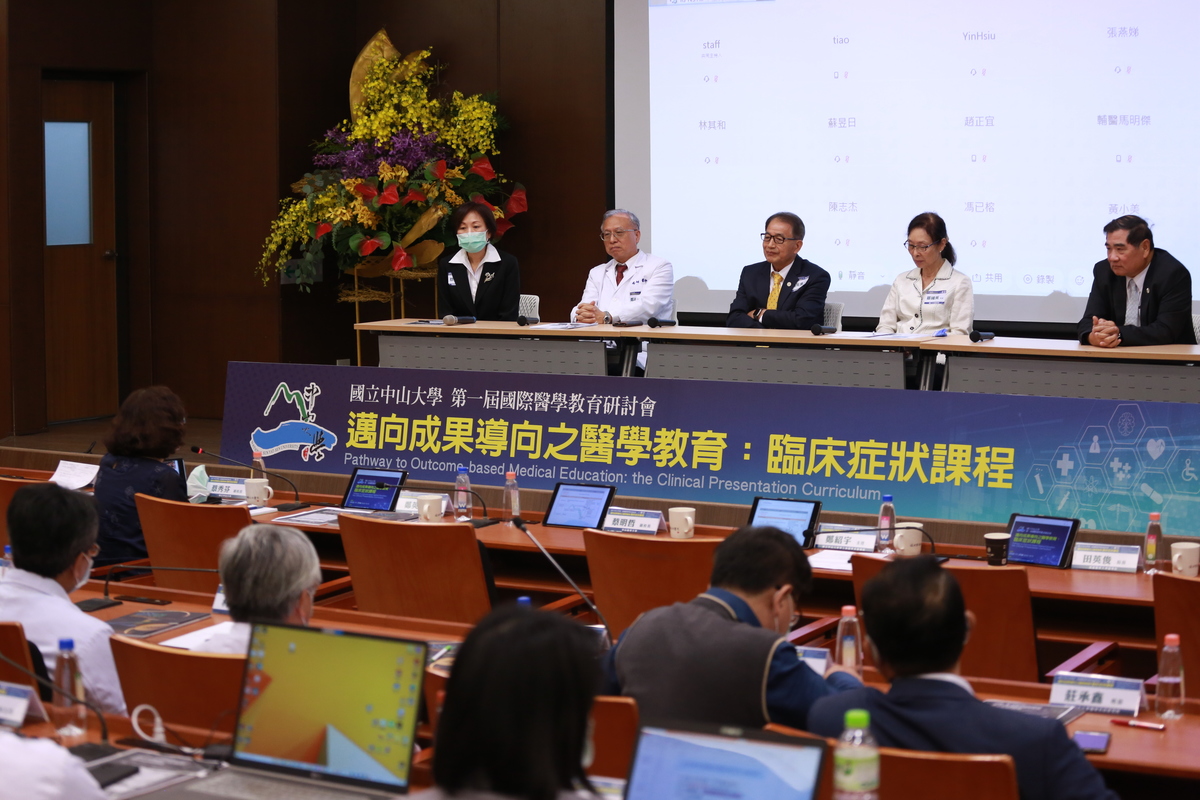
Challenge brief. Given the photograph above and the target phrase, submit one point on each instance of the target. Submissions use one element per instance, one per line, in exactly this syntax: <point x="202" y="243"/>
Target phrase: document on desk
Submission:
<point x="836" y="560"/>
<point x="316" y="516"/>
<point x="562" y="326"/>
<point x="74" y="475"/>
<point x="427" y="322"/>
<point x="190" y="641"/>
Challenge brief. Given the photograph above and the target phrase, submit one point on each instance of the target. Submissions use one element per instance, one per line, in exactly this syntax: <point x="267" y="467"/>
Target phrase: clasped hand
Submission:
<point x="1105" y="333"/>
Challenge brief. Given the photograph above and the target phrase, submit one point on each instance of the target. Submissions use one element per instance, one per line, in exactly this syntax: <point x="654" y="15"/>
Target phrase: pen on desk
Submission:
<point x="441" y="653"/>
<point x="1133" y="723"/>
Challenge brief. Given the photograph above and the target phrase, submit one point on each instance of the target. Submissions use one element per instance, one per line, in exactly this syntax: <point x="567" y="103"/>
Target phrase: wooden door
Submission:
<point x="80" y="293"/>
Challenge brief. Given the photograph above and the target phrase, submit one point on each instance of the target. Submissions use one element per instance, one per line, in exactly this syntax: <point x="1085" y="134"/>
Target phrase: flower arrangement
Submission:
<point x="385" y="180"/>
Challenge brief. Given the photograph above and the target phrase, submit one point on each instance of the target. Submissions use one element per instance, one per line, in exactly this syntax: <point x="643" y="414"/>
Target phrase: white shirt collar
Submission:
<point x="783" y="273"/>
<point x="948" y="677"/>
<point x="638" y="259"/>
<point x="36" y="583"/>
<point x="490" y="253"/>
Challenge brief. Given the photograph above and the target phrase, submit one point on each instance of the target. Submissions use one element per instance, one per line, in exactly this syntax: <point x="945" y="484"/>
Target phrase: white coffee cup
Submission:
<point x="429" y="507"/>
<point x="259" y="491"/>
<point x="907" y="539"/>
<point x="1185" y="559"/>
<point x="682" y="522"/>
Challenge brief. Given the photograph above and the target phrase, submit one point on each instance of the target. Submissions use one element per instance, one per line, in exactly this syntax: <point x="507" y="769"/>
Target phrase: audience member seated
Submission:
<point x="39" y="769"/>
<point x="148" y="428"/>
<point x="53" y="536"/>
<point x="916" y="625"/>
<point x="270" y="574"/>
<point x="516" y="721"/>
<point x="724" y="658"/>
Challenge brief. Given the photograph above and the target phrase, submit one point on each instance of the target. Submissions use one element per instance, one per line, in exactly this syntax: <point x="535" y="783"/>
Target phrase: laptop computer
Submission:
<point x="323" y="714"/>
<point x="686" y="760"/>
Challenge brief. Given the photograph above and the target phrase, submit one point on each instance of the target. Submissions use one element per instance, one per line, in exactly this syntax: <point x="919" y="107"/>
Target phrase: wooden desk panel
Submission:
<point x="1060" y="348"/>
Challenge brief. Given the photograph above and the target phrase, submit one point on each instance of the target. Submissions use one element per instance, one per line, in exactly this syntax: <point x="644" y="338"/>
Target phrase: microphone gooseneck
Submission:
<point x="112" y="568"/>
<point x="297" y="505"/>
<point x="520" y="523"/>
<point x="56" y="688"/>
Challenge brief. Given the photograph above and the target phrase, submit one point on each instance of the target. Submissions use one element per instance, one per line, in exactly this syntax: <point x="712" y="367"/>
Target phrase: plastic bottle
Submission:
<point x="1150" y="550"/>
<point x="856" y="760"/>
<point x="887" y="524"/>
<point x="1168" y="698"/>
<point x="6" y="562"/>
<point x="70" y="718"/>
<point x="849" y="640"/>
<point x="462" y="495"/>
<point x="256" y="460"/>
<point x="512" y="497"/>
<point x="525" y="601"/>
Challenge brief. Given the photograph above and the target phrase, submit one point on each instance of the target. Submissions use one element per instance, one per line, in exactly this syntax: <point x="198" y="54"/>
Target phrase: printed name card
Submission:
<point x="1106" y="557"/>
<point x="815" y="657"/>
<point x="1103" y="694"/>
<point x="407" y="502"/>
<point x="633" y="520"/>
<point x="227" y="487"/>
<point x="219" y="604"/>
<point x="14" y="702"/>
<point x="831" y="536"/>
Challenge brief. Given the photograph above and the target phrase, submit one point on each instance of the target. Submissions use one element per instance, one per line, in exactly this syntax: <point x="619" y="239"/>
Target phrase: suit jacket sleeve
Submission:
<point x="444" y="289"/>
<point x="1099" y="303"/>
<point x="809" y="308"/>
<point x="1067" y="772"/>
<point x="743" y="303"/>
<point x="510" y="298"/>
<point x="1173" y="322"/>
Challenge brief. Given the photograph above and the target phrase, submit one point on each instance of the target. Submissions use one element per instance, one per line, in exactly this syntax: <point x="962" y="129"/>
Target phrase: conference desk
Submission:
<point x="756" y="355"/>
<point x="1066" y="368"/>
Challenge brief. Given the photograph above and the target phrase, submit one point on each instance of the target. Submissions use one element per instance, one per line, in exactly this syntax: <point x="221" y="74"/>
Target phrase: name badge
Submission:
<point x="1106" y="557"/>
<point x="1103" y="694"/>
<point x="800" y="283"/>
<point x="14" y="702"/>
<point x="450" y="280"/>
<point x="935" y="298"/>
<point x="633" y="520"/>
<point x="830" y="538"/>
<point x="219" y="604"/>
<point x="815" y="657"/>
<point x="634" y="294"/>
<point x="227" y="487"/>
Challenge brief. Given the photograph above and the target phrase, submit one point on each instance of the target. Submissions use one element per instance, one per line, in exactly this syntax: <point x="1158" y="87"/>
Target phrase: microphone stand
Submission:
<point x="296" y="506"/>
<point x="520" y="523"/>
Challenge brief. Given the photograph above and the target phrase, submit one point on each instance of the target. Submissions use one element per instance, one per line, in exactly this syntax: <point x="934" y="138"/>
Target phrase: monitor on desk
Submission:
<point x="578" y="505"/>
<point x="374" y="489"/>
<point x="797" y="517"/>
<point x="1043" y="541"/>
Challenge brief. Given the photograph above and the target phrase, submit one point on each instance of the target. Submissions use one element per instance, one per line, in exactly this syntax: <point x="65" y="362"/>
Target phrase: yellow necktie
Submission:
<point x="776" y="284"/>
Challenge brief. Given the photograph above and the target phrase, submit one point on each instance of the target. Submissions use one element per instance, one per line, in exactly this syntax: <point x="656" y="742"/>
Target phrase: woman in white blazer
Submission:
<point x="933" y="295"/>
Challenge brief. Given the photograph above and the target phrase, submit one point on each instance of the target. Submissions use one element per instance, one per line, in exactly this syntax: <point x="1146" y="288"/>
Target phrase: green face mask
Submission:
<point x="473" y="241"/>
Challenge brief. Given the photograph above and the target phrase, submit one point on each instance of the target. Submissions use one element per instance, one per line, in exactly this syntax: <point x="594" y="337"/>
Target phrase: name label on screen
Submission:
<point x="1103" y="694"/>
<point x="1106" y="557"/>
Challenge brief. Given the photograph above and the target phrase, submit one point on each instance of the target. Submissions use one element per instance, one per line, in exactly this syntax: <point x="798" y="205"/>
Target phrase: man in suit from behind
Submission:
<point x="785" y="291"/>
<point x="1141" y="295"/>
<point x="917" y="625"/>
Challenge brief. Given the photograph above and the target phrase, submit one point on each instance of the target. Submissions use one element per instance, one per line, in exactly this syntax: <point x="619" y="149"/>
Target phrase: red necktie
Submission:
<point x="621" y="272"/>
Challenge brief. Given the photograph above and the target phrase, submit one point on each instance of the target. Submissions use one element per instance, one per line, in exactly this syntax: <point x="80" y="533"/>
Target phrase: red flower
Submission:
<point x="439" y="169"/>
<point x="390" y="195"/>
<point x="368" y="246"/>
<point x="413" y="196"/>
<point x="502" y="225"/>
<point x="517" y="202"/>
<point x="322" y="229"/>
<point x="400" y="258"/>
<point x="483" y="168"/>
<point x="365" y="191"/>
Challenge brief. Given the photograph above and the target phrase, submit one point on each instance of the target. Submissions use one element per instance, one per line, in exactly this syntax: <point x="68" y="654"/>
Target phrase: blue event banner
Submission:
<point x="941" y="454"/>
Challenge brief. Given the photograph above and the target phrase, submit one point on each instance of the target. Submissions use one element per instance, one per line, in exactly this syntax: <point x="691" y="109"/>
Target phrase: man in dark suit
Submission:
<point x="1140" y="295"/>
<point x="785" y="291"/>
<point x="916" y="625"/>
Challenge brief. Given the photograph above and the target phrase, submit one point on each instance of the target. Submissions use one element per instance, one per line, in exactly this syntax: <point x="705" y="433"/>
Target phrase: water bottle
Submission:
<point x="512" y="497"/>
<point x="462" y="495"/>
<point x="849" y="640"/>
<point x="1168" y="698"/>
<point x="256" y="461"/>
<point x="524" y="601"/>
<point x="70" y="717"/>
<point x="856" y="760"/>
<point x="887" y="524"/>
<point x="1150" y="551"/>
<point x="6" y="562"/>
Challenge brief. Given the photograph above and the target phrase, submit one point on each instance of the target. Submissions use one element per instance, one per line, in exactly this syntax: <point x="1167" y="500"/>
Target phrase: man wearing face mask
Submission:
<point x="478" y="280"/>
<point x="53" y="535"/>
<point x="724" y="658"/>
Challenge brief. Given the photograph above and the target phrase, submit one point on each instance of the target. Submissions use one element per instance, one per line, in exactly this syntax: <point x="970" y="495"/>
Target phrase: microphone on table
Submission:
<point x="520" y="523"/>
<point x="450" y="319"/>
<point x="982" y="336"/>
<point x="655" y="322"/>
<point x="821" y="330"/>
<point x="56" y="688"/>
<point x="478" y="523"/>
<point x="524" y="320"/>
<point x="296" y="506"/>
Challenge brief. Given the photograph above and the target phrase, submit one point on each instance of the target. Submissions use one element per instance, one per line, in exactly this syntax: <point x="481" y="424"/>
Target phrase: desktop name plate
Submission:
<point x="1106" y="557"/>
<point x="831" y="537"/>
<point x="633" y="520"/>
<point x="234" y="488"/>
<point x="14" y="702"/>
<point x="1103" y="694"/>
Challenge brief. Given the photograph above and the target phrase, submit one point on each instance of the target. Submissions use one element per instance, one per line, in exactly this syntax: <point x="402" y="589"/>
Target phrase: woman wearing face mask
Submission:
<point x="516" y="721"/>
<point x="478" y="280"/>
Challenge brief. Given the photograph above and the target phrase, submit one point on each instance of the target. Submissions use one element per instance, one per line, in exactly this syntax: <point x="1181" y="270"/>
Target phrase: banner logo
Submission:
<point x="302" y="434"/>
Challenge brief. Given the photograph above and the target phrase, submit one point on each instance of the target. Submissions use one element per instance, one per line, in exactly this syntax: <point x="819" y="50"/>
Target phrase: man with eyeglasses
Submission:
<point x="1141" y="295"/>
<point x="785" y="291"/>
<point x="632" y="286"/>
<point x="724" y="658"/>
<point x="53" y="535"/>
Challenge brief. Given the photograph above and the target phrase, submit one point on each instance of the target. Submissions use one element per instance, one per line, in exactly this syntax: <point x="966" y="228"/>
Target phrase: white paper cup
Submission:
<point x="682" y="522"/>
<point x="429" y="507"/>
<point x="259" y="491"/>
<point x="907" y="539"/>
<point x="1185" y="559"/>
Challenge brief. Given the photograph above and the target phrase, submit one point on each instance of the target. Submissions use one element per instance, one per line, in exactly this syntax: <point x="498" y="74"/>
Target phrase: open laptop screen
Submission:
<point x="328" y="704"/>
<point x="678" y="763"/>
<point x="374" y="489"/>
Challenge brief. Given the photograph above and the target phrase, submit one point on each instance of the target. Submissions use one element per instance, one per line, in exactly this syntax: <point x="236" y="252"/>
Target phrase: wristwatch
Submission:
<point x="607" y="318"/>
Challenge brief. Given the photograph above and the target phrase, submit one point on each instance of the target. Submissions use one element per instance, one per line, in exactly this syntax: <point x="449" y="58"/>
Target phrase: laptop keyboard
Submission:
<point x="247" y="787"/>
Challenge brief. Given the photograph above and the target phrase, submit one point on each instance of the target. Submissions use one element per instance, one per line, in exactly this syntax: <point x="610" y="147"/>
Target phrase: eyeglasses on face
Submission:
<point x="777" y="238"/>
<point x="614" y="234"/>
<point x="910" y="247"/>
